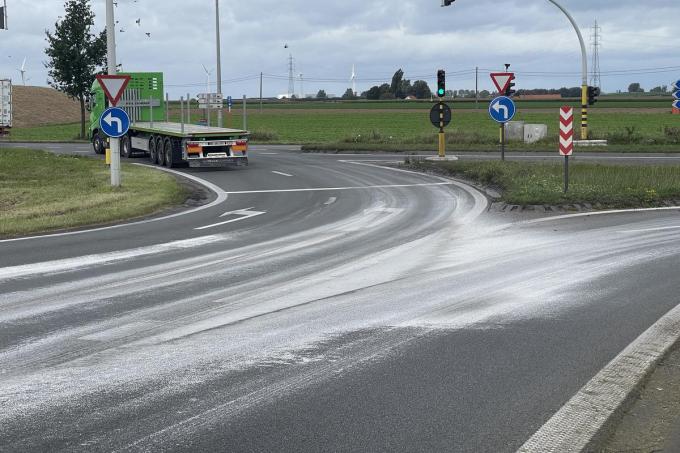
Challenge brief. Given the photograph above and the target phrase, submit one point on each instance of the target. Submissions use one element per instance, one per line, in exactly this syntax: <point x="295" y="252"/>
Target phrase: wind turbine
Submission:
<point x="353" y="79"/>
<point x="22" y="70"/>
<point x="207" y="94"/>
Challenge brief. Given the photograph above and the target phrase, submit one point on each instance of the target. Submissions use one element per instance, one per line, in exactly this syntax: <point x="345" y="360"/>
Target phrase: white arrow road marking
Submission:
<point x="331" y="200"/>
<point x="243" y="213"/>
<point x="281" y="173"/>
<point x="498" y="106"/>
<point x="110" y="119"/>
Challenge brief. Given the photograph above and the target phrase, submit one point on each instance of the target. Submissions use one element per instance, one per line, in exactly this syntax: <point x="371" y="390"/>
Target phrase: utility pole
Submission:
<point x="476" y="87"/>
<point x="219" y="61"/>
<point x="260" y="92"/>
<point x="111" y="63"/>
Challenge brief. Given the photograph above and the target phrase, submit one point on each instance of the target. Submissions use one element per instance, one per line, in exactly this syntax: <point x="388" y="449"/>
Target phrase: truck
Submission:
<point x="5" y="106"/>
<point x="166" y="143"/>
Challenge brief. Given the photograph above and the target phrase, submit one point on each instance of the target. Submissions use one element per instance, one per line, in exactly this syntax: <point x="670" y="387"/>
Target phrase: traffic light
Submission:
<point x="593" y="93"/>
<point x="441" y="83"/>
<point x="447" y="2"/>
<point x="509" y="91"/>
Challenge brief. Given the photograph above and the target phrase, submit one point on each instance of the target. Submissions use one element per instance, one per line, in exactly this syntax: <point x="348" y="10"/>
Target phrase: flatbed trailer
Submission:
<point x="166" y="143"/>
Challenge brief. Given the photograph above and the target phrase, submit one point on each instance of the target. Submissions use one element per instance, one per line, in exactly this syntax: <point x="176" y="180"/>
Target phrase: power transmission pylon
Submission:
<point x="596" y="42"/>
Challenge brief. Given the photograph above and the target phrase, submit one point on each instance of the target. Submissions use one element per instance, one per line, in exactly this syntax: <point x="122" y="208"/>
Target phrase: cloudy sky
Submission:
<point x="378" y="36"/>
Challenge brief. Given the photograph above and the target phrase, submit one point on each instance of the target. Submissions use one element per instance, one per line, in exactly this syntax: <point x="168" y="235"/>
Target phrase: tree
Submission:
<point x="74" y="54"/>
<point x="396" y="86"/>
<point x="321" y="95"/>
<point x="635" y="88"/>
<point x="421" y="89"/>
<point x="373" y="93"/>
<point x="349" y="94"/>
<point x="659" y="90"/>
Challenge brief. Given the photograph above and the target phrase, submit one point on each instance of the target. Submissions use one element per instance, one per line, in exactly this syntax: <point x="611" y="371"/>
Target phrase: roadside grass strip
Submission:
<point x="40" y="192"/>
<point x="603" y="186"/>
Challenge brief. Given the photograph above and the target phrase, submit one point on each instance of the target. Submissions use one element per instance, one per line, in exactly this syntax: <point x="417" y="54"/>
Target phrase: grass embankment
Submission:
<point x="604" y="186"/>
<point x="40" y="191"/>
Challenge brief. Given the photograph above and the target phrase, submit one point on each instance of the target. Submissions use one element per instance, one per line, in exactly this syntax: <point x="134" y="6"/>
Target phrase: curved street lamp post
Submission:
<point x="584" y="68"/>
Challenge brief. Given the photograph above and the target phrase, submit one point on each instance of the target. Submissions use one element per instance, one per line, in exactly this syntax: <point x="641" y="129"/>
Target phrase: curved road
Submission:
<point x="321" y="304"/>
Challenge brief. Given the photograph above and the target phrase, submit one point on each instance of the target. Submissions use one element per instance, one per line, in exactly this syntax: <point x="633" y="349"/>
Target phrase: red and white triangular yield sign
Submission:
<point x="113" y="86"/>
<point x="566" y="131"/>
<point x="502" y="80"/>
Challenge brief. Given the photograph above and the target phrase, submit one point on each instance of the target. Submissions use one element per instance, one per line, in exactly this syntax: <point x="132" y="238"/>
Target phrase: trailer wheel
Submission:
<point x="125" y="146"/>
<point x="169" y="154"/>
<point x="98" y="143"/>
<point x="152" y="150"/>
<point x="160" y="151"/>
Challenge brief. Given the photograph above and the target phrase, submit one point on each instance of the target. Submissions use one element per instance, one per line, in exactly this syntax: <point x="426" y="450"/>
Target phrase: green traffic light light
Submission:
<point x="441" y="92"/>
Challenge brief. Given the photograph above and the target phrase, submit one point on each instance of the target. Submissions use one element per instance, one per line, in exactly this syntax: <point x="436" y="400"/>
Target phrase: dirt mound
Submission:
<point x="34" y="106"/>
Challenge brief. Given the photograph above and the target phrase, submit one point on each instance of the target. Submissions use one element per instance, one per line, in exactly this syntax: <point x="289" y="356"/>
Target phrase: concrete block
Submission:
<point x="514" y="131"/>
<point x="535" y="132"/>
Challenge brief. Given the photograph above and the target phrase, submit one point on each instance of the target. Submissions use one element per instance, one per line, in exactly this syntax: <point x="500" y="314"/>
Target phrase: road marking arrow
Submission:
<point x="243" y="213"/>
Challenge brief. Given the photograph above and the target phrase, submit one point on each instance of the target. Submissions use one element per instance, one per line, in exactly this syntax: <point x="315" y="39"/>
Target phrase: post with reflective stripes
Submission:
<point x="566" y="140"/>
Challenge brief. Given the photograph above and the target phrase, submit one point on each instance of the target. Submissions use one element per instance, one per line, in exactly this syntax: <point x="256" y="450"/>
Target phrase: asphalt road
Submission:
<point x="343" y="307"/>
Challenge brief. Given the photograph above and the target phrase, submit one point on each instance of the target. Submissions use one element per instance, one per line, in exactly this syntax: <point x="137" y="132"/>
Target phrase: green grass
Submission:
<point x="54" y="132"/>
<point x="374" y="126"/>
<point x="41" y="191"/>
<point x="615" y="186"/>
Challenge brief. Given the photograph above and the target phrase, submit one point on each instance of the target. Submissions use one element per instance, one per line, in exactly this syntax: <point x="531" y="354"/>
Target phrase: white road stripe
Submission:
<point x="326" y="189"/>
<point x="266" y="154"/>
<point x="282" y="174"/>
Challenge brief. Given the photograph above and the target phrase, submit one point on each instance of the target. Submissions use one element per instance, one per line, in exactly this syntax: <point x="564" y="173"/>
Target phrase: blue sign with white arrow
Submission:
<point x="230" y="101"/>
<point x="676" y="94"/>
<point x="502" y="109"/>
<point x="676" y="85"/>
<point x="676" y="104"/>
<point x="114" y="122"/>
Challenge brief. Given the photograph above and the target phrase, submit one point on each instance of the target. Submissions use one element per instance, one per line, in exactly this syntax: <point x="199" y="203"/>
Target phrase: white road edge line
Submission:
<point x="649" y="230"/>
<point x="282" y="173"/>
<point x="595" y="213"/>
<point x="221" y="198"/>
<point x="582" y="422"/>
<point x="326" y="189"/>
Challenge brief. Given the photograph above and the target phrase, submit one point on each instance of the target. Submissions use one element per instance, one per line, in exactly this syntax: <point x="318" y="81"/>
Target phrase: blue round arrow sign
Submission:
<point x="114" y="122"/>
<point x="502" y="109"/>
<point x="676" y="104"/>
<point x="676" y="94"/>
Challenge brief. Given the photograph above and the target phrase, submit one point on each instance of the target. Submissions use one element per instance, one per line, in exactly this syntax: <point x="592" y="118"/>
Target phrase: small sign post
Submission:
<point x="502" y="110"/>
<point x="566" y="140"/>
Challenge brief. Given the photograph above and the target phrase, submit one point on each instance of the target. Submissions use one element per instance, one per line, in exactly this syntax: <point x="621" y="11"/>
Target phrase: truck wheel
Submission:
<point x="125" y="147"/>
<point x="160" y="151"/>
<point x="98" y="143"/>
<point x="152" y="150"/>
<point x="169" y="154"/>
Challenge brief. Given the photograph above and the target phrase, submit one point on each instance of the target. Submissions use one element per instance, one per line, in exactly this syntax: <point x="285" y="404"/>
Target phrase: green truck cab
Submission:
<point x="166" y="143"/>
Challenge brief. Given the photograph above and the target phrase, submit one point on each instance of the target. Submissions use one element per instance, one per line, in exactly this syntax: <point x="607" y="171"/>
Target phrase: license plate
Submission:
<point x="217" y="155"/>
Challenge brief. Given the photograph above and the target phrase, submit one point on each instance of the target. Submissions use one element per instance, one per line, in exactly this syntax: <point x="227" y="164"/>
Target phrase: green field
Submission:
<point x="41" y="191"/>
<point x="605" y="186"/>
<point x="642" y="125"/>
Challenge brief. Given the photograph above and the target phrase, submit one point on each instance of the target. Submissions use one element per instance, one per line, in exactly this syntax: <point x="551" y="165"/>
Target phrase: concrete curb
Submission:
<point x="584" y="421"/>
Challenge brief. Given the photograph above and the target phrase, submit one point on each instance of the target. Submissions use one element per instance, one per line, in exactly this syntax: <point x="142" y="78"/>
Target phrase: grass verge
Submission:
<point x="41" y="191"/>
<point x="606" y="186"/>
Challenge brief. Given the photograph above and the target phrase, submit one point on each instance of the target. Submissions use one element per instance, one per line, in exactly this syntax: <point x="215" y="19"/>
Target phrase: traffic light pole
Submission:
<point x="111" y="63"/>
<point x="442" y="134"/>
<point x="220" y="122"/>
